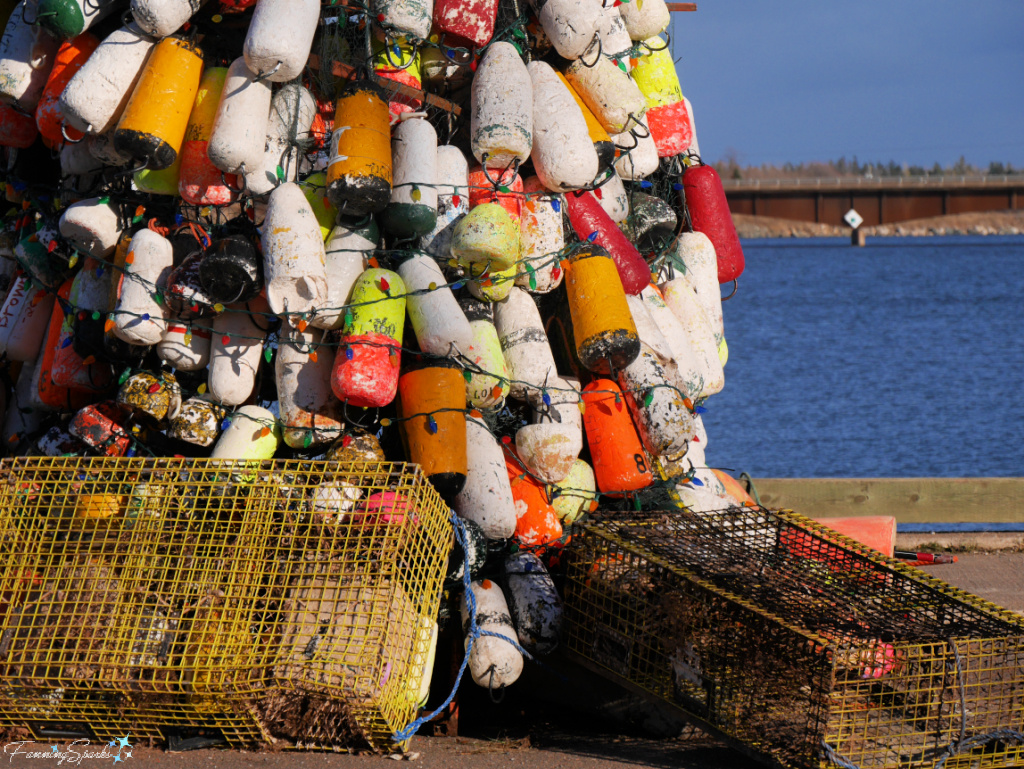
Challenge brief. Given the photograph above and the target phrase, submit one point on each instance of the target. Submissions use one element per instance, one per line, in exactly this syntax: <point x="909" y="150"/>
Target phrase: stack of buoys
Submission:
<point x="425" y="232"/>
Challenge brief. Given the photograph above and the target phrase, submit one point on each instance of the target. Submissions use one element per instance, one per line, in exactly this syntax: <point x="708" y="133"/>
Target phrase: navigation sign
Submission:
<point x="853" y="219"/>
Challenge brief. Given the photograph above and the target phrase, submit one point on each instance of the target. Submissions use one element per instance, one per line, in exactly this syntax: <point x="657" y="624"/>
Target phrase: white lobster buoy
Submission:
<point x="244" y="437"/>
<point x="541" y="239"/>
<point x="494" y="663"/>
<point x="553" y="442"/>
<point x="412" y="211"/>
<point x="488" y="383"/>
<point x="292" y="110"/>
<point x="640" y="161"/>
<point x="615" y="100"/>
<point x="235" y="353"/>
<point x="138" y="317"/>
<point x="90" y="290"/>
<point x="613" y="198"/>
<point x="347" y="250"/>
<point x="98" y="93"/>
<point x="570" y="25"/>
<point x="21" y="419"/>
<point x="310" y="413"/>
<point x="615" y="40"/>
<point x="101" y="146"/>
<point x="161" y="18"/>
<point x="92" y="226"/>
<point x="280" y="38"/>
<point x="659" y="411"/>
<point x="439" y="322"/>
<point x="527" y="351"/>
<point x="23" y="320"/>
<point x="77" y="160"/>
<point x="452" y="201"/>
<point x="334" y="501"/>
<point x="412" y="17"/>
<point x="694" y="146"/>
<point x="185" y="347"/>
<point x="645" y="19"/>
<point x="501" y="118"/>
<point x="575" y="492"/>
<point x="684" y="305"/>
<point x="239" y="133"/>
<point x="534" y="603"/>
<point x="563" y="153"/>
<point x="293" y="253"/>
<point x="649" y="332"/>
<point x="696" y="252"/>
<point x="689" y="363"/>
<point x="486" y="499"/>
<point x="27" y="54"/>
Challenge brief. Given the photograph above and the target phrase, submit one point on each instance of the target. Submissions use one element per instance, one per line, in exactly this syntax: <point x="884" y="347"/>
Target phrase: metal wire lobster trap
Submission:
<point x="801" y="647"/>
<point x="265" y="600"/>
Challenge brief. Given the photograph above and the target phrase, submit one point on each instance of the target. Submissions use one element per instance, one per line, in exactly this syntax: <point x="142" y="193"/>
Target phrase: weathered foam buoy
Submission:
<point x="314" y="187"/>
<point x="366" y="364"/>
<point x="684" y="305"/>
<point x="486" y="240"/>
<point x="440" y="324"/>
<point x="101" y="426"/>
<point x="639" y="153"/>
<point x="709" y="212"/>
<point x="280" y="38"/>
<point x="494" y="662"/>
<point x="68" y="18"/>
<point x="541" y="239"/>
<point x="412" y="211"/>
<point x="620" y="465"/>
<point x="197" y="422"/>
<point x="92" y="226"/>
<point x="695" y="251"/>
<point x="253" y="433"/>
<point x="398" y="60"/>
<point x="150" y="395"/>
<point x="152" y="126"/>
<point x="138" y="317"/>
<point x="649" y="332"/>
<point x="432" y="397"/>
<point x="310" y="414"/>
<point x="70" y="58"/>
<point x="603" y="328"/>
<point x="659" y="409"/>
<point x="163" y="181"/>
<point x="235" y="353"/>
<point x="347" y="250"/>
<point x="613" y="198"/>
<point x="615" y="40"/>
<point x="592" y="223"/>
<point x="694" y="144"/>
<point x="102" y="148"/>
<point x="553" y="441"/>
<point x="575" y="493"/>
<point x="200" y="182"/>
<point x="239" y="134"/>
<point x="185" y="347"/>
<point x="533" y="602"/>
<point x="99" y="92"/>
<point x="601" y="139"/>
<point x="161" y="18"/>
<point x="689" y="365"/>
<point x="501" y="117"/>
<point x="27" y="54"/>
<point x="564" y="157"/>
<point x="614" y="99"/>
<point x="646" y="19"/>
<point x="452" y="201"/>
<point x="76" y="160"/>
<point x="292" y="111"/>
<point x="487" y="187"/>
<point x="667" y="117"/>
<point x="17" y="130"/>
<point x="23" y="319"/>
<point x="47" y="393"/>
<point x="486" y="498"/>
<point x="537" y="524"/>
<point x="411" y="17"/>
<point x="487" y="385"/>
<point x="69" y="369"/>
<point x="472" y="20"/>
<point x="653" y="222"/>
<point x="570" y="25"/>
<point x="527" y="352"/>
<point x="21" y="419"/>
<point x="359" y="168"/>
<point x="293" y="253"/>
<point x="185" y="295"/>
<point x="232" y="271"/>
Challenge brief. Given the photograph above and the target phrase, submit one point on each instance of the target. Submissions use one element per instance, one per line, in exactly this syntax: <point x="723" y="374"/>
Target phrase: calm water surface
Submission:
<point x="904" y="358"/>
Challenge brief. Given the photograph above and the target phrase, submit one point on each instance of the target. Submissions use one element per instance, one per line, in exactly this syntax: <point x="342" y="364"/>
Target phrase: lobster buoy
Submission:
<point x="138" y="317"/>
<point x="486" y="240"/>
<point x="102" y="148"/>
<point x="33" y="254"/>
<point x="232" y="271"/>
<point x="667" y="117"/>
<point x="615" y="40"/>
<point x="592" y="223"/>
<point x="646" y="19"/>
<point x="398" y="60"/>
<point x="534" y="603"/>
<point x="650" y="334"/>
<point x="440" y="324"/>
<point x="412" y="211"/>
<point x="252" y="433"/>
<point x="46" y="393"/>
<point x="185" y="347"/>
<point x="689" y="365"/>
<point x="411" y="17"/>
<point x="487" y="386"/>
<point x="570" y="25"/>
<point x="541" y="239"/>
<point x="639" y="153"/>
<point x="485" y="186"/>
<point x="347" y="250"/>
<point x="68" y="18"/>
<point x="200" y="182"/>
<point x="683" y="303"/>
<point x="76" y="160"/>
<point x="149" y="395"/>
<point x="184" y="294"/>
<point x="603" y="328"/>
<point x="553" y="442"/>
<point x="280" y="38"/>
<point x="102" y="427"/>
<point x="493" y="285"/>
<point x="161" y="18"/>
<point x="23" y="320"/>
<point x="152" y="127"/>
<point x="92" y="225"/>
<point x="99" y="92"/>
<point x="486" y="498"/>
<point x="163" y="181"/>
<point x="494" y="662"/>
<point x="21" y="419"/>
<point x="292" y="111"/>
<point x="575" y="493"/>
<point x="235" y="353"/>
<point x="537" y="525"/>
<point x="239" y="133"/>
<point x="444" y="68"/>
<point x="70" y="58"/>
<point x="598" y="135"/>
<point x="709" y="212"/>
<point x="314" y="187"/>
<point x="658" y="407"/>
<point x="293" y="253"/>
<point x="694" y="144"/>
<point x="309" y="412"/>
<point x="197" y="422"/>
<point x="695" y="251"/>
<point x="27" y="54"/>
<point x="501" y="117"/>
<point x="68" y="368"/>
<point x="471" y="20"/>
<point x="614" y="99"/>
<point x="17" y="130"/>
<point x="356" y="447"/>
<point x="614" y="199"/>
<point x="359" y="168"/>
<point x="452" y="201"/>
<point x="653" y="222"/>
<point x="527" y="351"/>
<point x="366" y="363"/>
<point x="433" y="399"/>
<point x="620" y="465"/>
<point x="564" y="157"/>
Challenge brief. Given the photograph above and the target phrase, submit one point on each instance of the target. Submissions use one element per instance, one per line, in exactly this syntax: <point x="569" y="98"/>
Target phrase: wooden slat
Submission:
<point x="682" y="6"/>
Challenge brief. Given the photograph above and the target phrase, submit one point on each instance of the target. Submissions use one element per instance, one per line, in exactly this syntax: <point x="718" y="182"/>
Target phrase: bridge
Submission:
<point x="881" y="200"/>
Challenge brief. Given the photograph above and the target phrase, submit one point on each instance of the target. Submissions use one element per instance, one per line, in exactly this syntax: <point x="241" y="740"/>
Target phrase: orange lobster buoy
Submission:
<point x="620" y="464"/>
<point x="70" y="57"/>
<point x="537" y="523"/>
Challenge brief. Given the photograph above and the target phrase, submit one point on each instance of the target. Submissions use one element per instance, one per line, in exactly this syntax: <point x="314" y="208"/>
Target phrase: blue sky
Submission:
<point x="915" y="81"/>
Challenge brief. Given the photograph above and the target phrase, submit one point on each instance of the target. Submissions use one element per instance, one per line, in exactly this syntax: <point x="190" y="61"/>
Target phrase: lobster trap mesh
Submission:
<point x="264" y="600"/>
<point x="803" y="647"/>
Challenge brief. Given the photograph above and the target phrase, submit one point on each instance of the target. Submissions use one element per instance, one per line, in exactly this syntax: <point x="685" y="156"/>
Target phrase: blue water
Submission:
<point x="904" y="358"/>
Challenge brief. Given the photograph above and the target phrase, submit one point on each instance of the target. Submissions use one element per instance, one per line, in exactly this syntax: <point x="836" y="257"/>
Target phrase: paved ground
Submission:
<point x="553" y="735"/>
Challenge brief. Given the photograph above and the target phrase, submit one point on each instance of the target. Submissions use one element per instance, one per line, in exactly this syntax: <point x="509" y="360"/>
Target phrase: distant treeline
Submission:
<point x="730" y="168"/>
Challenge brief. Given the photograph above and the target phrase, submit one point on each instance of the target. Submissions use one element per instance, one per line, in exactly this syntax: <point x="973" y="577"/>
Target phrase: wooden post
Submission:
<point x="858" y="237"/>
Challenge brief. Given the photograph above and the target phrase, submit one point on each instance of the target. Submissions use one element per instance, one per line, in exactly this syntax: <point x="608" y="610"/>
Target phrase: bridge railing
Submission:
<point x="945" y="181"/>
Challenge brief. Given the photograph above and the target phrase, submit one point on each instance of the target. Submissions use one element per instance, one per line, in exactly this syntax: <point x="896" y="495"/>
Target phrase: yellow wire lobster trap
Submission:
<point x="248" y="602"/>
<point x="798" y="646"/>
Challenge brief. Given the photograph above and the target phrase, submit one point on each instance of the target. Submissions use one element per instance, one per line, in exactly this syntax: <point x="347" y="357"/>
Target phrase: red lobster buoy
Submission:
<point x="709" y="212"/>
<point x="592" y="223"/>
